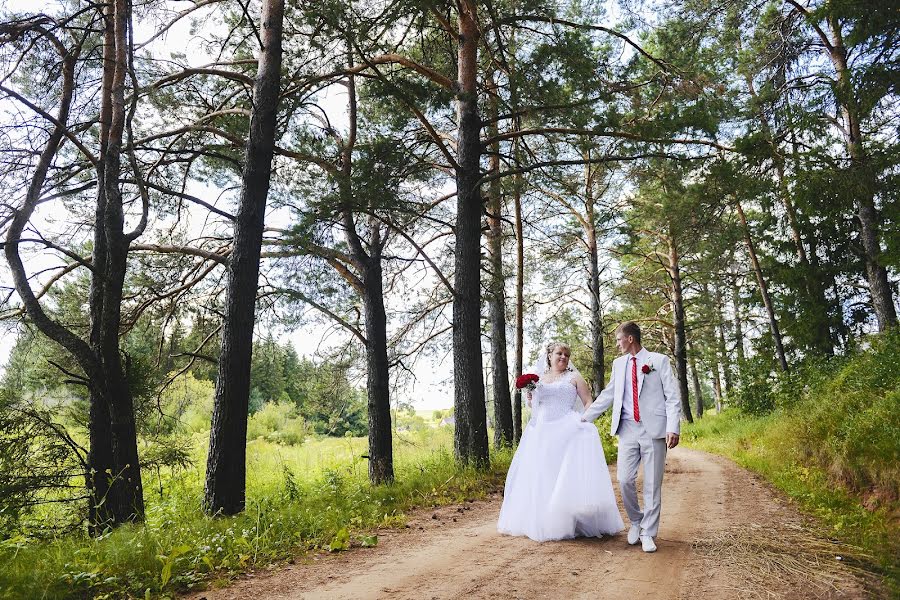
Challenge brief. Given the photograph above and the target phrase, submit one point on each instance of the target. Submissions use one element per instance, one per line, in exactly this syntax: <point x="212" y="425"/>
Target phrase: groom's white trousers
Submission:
<point x="636" y="447"/>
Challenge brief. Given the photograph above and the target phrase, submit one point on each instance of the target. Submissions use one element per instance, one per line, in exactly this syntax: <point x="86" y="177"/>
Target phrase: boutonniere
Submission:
<point x="647" y="369"/>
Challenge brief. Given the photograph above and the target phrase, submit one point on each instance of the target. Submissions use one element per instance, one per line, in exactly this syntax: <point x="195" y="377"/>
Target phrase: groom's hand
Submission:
<point x="671" y="440"/>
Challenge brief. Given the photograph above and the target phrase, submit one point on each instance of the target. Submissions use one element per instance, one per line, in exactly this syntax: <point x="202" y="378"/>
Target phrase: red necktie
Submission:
<point x="634" y="390"/>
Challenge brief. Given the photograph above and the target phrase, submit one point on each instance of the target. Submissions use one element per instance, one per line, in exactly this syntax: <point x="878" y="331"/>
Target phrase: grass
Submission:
<point x="828" y="435"/>
<point x="756" y="559"/>
<point x="768" y="445"/>
<point x="830" y="440"/>
<point x="306" y="497"/>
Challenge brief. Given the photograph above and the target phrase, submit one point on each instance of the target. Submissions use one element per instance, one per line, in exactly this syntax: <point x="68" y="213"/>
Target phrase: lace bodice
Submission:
<point x="550" y="401"/>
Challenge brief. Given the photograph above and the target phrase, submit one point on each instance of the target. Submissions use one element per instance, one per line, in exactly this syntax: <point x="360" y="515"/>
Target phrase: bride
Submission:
<point x="558" y="486"/>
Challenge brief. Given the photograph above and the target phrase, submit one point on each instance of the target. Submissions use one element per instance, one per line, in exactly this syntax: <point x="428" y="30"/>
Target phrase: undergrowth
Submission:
<point x="830" y="441"/>
<point x="315" y="496"/>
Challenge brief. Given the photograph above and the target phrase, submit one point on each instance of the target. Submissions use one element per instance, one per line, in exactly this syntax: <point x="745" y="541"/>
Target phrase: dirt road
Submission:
<point x="721" y="534"/>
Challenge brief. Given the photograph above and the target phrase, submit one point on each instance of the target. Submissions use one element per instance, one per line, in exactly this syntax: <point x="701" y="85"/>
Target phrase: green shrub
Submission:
<point x="828" y="434"/>
<point x="756" y="392"/>
<point x="189" y="400"/>
<point x="278" y="423"/>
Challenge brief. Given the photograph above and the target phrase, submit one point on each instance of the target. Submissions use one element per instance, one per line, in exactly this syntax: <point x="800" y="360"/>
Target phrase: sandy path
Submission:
<point x="456" y="552"/>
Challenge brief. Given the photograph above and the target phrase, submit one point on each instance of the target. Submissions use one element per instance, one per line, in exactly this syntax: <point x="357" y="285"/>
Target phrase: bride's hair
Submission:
<point x="553" y="346"/>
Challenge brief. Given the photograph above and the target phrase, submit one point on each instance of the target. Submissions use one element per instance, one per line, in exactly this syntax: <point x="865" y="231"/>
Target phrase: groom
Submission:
<point x="646" y="417"/>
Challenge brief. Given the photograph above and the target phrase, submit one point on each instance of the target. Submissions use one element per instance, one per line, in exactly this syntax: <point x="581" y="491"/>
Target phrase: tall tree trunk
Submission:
<point x="597" y="359"/>
<point x="381" y="452"/>
<point x="598" y="368"/>
<point x="503" y="418"/>
<point x="113" y="478"/>
<point x="738" y="324"/>
<point x="698" y="393"/>
<point x="100" y="454"/>
<point x="814" y="292"/>
<point x="763" y="290"/>
<point x="717" y="387"/>
<point x="723" y="345"/>
<point x="226" y="464"/>
<point x="520" y="247"/>
<point x="129" y="505"/>
<point x="824" y="307"/>
<point x="680" y="336"/>
<point x="862" y="172"/>
<point x="520" y="301"/>
<point x="470" y="438"/>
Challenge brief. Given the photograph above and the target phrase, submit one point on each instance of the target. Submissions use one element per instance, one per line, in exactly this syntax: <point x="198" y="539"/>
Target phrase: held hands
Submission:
<point x="671" y="440"/>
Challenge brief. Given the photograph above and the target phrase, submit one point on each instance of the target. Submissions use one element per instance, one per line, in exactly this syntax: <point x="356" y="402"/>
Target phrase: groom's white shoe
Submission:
<point x="634" y="534"/>
<point x="648" y="544"/>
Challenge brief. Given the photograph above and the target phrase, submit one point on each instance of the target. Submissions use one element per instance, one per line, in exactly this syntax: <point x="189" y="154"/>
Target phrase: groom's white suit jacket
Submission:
<point x="658" y="396"/>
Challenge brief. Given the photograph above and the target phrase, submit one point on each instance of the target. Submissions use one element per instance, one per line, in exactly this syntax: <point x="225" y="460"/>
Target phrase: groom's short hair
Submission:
<point x="631" y="328"/>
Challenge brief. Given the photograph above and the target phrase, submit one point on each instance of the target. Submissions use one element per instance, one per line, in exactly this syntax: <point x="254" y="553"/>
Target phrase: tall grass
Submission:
<point x="832" y="444"/>
<point x="298" y="497"/>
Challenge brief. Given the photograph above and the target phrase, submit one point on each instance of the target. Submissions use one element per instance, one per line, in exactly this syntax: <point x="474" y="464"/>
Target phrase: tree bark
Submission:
<point x="763" y="290"/>
<point x="100" y="452"/>
<point x="381" y="452"/>
<point x="470" y="437"/>
<point x="723" y="345"/>
<point x="680" y="337"/>
<point x="861" y="169"/>
<point x="226" y="464"/>
<point x="503" y="418"/>
<point x="520" y="248"/>
<point x="698" y="393"/>
<point x="520" y="302"/>
<point x="129" y="505"/>
<point x="717" y="387"/>
<point x="598" y="368"/>
<point x="738" y="325"/>
<point x="113" y="478"/>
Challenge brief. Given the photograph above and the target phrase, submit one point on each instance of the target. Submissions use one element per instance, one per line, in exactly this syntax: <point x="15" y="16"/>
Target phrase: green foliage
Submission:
<point x="328" y="401"/>
<point x="407" y="419"/>
<point x="843" y="412"/>
<point x="35" y="455"/>
<point x="756" y="394"/>
<point x="191" y="399"/>
<point x="340" y="541"/>
<point x="321" y="393"/>
<point x="279" y="423"/>
<point x="610" y="442"/>
<point x="830" y="437"/>
<point x="438" y="415"/>
<point x="309" y="497"/>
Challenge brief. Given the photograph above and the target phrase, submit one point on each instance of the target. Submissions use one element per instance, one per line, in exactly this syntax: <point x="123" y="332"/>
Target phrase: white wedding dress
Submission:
<point x="558" y="484"/>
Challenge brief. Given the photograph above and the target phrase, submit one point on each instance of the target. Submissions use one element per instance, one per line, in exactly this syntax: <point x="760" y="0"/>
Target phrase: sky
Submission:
<point x="430" y="389"/>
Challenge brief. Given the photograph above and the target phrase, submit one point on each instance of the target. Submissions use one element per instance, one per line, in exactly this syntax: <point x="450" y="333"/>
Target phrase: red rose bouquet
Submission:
<point x="527" y="381"/>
